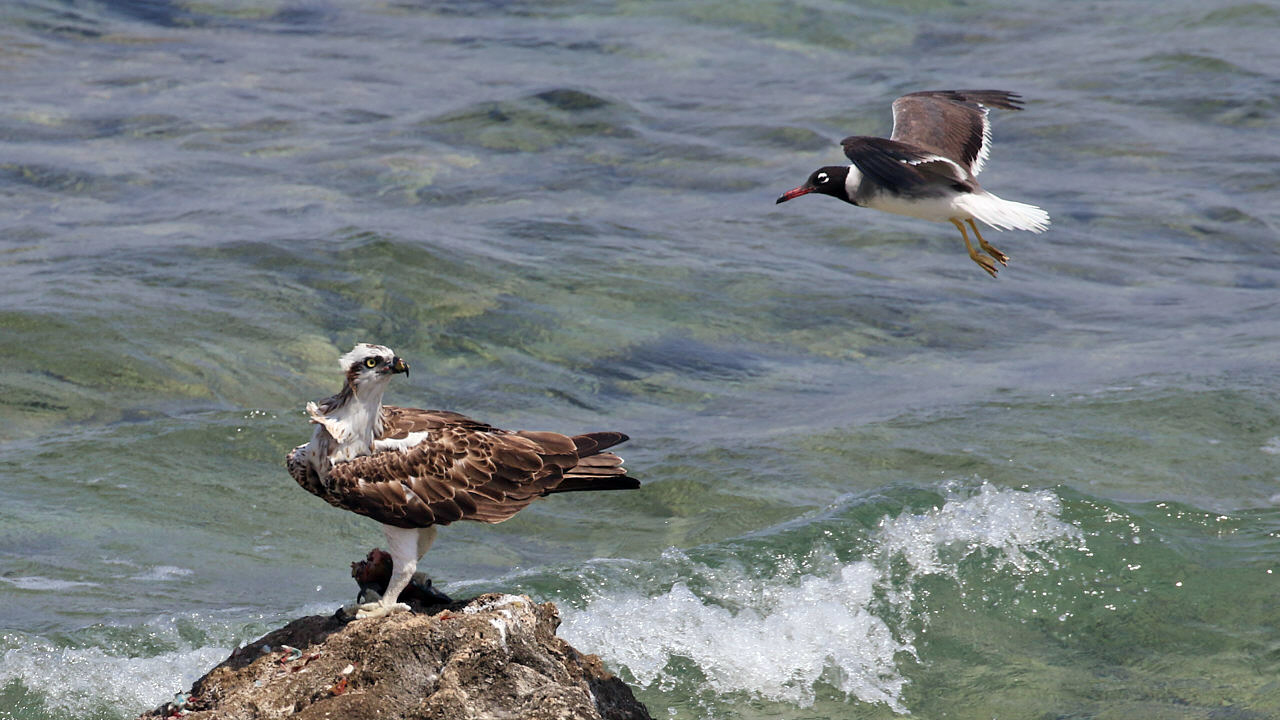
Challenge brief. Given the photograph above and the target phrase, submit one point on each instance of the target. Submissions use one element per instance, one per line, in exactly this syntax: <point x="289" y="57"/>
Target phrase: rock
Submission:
<point x="493" y="657"/>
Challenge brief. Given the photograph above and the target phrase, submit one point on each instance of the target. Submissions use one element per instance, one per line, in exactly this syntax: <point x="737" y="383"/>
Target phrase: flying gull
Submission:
<point x="413" y="470"/>
<point x="928" y="168"/>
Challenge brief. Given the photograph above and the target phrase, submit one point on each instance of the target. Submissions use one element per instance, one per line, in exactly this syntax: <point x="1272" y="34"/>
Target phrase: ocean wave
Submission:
<point x="781" y="638"/>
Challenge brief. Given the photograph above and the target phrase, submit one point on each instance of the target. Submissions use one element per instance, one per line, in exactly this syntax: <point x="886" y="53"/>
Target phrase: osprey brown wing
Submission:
<point x="951" y="123"/>
<point x="398" y="422"/>
<point x="457" y="473"/>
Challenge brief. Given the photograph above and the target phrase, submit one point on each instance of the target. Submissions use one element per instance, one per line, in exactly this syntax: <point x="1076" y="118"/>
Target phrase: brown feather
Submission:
<point x="950" y="123"/>
<point x="591" y="443"/>
<point x="461" y="470"/>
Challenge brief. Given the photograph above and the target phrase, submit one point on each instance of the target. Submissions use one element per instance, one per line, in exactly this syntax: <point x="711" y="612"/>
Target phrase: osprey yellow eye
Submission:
<point x="371" y="362"/>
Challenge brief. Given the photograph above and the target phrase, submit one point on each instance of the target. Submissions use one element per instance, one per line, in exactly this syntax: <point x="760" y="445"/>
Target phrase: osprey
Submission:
<point x="928" y="168"/>
<point x="412" y="470"/>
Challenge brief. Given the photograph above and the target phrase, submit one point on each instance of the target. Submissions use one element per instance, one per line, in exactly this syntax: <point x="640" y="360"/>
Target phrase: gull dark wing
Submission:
<point x="951" y="123"/>
<point x="898" y="165"/>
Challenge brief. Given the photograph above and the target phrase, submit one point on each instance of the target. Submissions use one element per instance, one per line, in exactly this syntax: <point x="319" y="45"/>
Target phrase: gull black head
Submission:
<point x="368" y="364"/>
<point x="829" y="180"/>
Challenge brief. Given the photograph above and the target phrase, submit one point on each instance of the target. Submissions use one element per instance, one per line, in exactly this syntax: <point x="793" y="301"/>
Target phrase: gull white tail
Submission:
<point x="1003" y="214"/>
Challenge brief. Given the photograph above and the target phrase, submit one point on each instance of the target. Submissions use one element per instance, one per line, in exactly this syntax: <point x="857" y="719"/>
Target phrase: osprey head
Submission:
<point x="371" y="366"/>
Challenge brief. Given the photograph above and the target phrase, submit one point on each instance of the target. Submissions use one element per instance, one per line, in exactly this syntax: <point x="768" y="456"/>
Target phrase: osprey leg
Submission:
<point x="406" y="546"/>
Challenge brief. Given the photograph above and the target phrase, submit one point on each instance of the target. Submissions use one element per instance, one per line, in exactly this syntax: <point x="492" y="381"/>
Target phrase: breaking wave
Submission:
<point x="93" y="682"/>
<point x="850" y="626"/>
<point x="118" y="670"/>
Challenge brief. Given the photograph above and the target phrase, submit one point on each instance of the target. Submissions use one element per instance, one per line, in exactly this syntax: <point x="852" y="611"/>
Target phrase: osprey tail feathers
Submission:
<point x="589" y="475"/>
<point x="596" y="470"/>
<point x="591" y="443"/>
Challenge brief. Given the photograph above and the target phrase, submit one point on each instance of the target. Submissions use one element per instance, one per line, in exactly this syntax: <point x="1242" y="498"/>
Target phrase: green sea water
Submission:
<point x="876" y="482"/>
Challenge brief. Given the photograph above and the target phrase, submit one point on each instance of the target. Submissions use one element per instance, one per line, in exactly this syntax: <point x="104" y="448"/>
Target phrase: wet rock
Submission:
<point x="491" y="657"/>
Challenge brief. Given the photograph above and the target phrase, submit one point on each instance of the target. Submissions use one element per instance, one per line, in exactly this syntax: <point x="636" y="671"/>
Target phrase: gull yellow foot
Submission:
<point x="988" y="247"/>
<point x="983" y="261"/>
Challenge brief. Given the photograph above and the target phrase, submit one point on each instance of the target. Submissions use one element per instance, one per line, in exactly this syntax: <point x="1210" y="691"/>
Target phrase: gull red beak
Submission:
<point x="795" y="193"/>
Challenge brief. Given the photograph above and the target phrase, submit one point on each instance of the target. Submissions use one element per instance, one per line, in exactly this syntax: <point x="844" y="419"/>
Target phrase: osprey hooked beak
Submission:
<point x="400" y="366"/>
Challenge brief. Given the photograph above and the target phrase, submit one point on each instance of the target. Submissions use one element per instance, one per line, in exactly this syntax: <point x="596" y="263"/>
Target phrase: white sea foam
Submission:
<point x="86" y="681"/>
<point x="779" y="638"/>
<point x="820" y="630"/>
<point x="36" y="582"/>
<point x="163" y="573"/>
<point x="1012" y="524"/>
<point x="111" y="680"/>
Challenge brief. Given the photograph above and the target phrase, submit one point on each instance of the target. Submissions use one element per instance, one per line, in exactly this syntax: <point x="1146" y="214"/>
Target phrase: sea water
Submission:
<point x="876" y="482"/>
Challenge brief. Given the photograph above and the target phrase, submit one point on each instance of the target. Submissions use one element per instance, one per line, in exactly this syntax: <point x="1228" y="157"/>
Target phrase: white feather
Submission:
<point x="938" y="158"/>
<point x="360" y="352"/>
<point x="852" y="181"/>
<point x="1000" y="213"/>
<point x="935" y="208"/>
<point x="353" y="424"/>
<point x="985" y="150"/>
<point x="408" y="442"/>
<point x="990" y="209"/>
